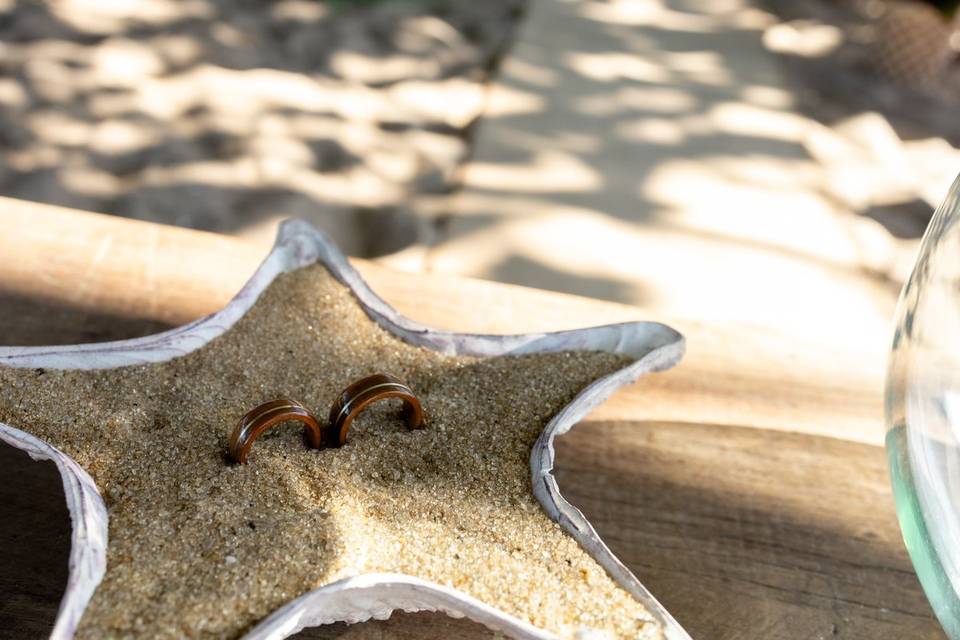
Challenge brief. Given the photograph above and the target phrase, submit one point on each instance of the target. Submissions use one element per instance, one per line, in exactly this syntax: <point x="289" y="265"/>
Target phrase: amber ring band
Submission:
<point x="360" y="395"/>
<point x="354" y="399"/>
<point x="253" y="423"/>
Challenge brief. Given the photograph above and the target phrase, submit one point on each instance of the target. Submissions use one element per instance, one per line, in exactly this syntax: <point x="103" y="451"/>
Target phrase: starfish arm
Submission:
<point x="652" y="352"/>
<point x="88" y="515"/>
<point x="376" y="596"/>
<point x="651" y="345"/>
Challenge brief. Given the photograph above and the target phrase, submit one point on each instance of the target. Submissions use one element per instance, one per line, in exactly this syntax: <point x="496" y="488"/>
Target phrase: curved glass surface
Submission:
<point x="923" y="413"/>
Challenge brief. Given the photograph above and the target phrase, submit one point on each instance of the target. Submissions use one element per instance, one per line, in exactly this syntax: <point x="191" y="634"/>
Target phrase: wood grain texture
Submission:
<point x="745" y="487"/>
<point x="750" y="533"/>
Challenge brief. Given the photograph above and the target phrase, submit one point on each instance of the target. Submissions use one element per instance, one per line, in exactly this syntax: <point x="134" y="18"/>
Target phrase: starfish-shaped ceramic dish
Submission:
<point x="650" y="347"/>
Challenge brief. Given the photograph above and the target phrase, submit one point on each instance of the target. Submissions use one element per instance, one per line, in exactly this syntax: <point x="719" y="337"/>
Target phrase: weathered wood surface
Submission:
<point x="746" y="487"/>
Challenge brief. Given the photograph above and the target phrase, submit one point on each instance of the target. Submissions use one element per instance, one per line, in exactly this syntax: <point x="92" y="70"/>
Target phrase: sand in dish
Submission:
<point x="200" y="547"/>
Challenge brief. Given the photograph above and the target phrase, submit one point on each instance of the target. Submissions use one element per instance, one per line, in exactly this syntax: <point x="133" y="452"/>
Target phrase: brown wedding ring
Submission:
<point x="362" y="393"/>
<point x="262" y="417"/>
<point x="348" y="404"/>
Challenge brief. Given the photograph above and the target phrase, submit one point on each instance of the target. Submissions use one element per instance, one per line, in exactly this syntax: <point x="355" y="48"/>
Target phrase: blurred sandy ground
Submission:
<point x="665" y="153"/>
<point x="229" y="115"/>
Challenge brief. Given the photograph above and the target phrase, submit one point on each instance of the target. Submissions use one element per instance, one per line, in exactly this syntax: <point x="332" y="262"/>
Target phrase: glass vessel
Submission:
<point x="923" y="413"/>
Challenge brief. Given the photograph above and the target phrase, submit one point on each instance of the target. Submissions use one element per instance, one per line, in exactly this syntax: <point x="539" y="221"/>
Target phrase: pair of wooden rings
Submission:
<point x="348" y="404"/>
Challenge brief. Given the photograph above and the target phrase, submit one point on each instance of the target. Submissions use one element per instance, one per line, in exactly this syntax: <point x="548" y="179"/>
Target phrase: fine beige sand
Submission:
<point x="203" y="548"/>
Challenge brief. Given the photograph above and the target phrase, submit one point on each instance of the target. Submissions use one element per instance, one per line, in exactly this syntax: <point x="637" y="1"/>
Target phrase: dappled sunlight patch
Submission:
<point x="372" y="69"/>
<point x="251" y="92"/>
<point x="121" y="136"/>
<point x="767" y="96"/>
<point x="547" y="171"/>
<point x="502" y="101"/>
<point x="38" y="158"/>
<point x="651" y="13"/>
<point x="11" y="93"/>
<point x="867" y="165"/>
<point x="735" y="197"/>
<point x="756" y="121"/>
<point x="418" y="33"/>
<point x="751" y="19"/>
<point x="299" y="10"/>
<point x="456" y="102"/>
<point x="120" y="62"/>
<point x="95" y="16"/>
<point x="803" y="38"/>
<point x="91" y="182"/>
<point x="394" y="167"/>
<point x="51" y="80"/>
<point x="608" y="67"/>
<point x="58" y="127"/>
<point x="549" y="252"/>
<point x="656" y="131"/>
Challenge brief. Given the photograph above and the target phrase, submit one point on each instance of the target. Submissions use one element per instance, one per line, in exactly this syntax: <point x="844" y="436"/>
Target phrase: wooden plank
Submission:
<point x="750" y="533"/>
<point x="116" y="266"/>
<point x="742" y="528"/>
